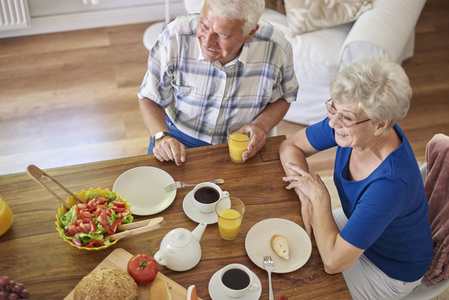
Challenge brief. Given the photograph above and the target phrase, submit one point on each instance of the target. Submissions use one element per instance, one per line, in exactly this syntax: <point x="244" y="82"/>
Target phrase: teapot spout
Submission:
<point x="160" y="256"/>
<point x="199" y="230"/>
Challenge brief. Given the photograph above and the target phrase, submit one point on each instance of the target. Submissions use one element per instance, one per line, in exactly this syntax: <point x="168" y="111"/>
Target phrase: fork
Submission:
<point x="269" y="266"/>
<point x="180" y="184"/>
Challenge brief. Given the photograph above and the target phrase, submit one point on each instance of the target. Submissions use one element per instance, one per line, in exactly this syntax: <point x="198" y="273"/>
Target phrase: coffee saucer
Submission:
<point x="195" y="214"/>
<point x="216" y="292"/>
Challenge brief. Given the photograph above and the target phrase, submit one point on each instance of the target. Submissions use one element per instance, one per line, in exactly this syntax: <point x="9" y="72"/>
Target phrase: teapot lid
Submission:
<point x="180" y="238"/>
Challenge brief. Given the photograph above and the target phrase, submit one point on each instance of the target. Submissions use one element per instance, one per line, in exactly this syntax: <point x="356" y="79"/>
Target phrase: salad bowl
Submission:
<point x="71" y="201"/>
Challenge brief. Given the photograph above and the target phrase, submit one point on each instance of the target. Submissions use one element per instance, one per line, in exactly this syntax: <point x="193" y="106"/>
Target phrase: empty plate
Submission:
<point x="143" y="187"/>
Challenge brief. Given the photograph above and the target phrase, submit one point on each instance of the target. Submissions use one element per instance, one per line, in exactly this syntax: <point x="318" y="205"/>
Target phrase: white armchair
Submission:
<point x="151" y="33"/>
<point x="386" y="29"/>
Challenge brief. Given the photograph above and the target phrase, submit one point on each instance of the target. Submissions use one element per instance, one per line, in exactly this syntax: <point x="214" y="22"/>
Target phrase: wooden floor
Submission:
<point x="69" y="98"/>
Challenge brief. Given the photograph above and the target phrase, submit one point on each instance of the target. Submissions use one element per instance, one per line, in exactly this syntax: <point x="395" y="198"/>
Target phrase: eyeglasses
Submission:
<point x="344" y="120"/>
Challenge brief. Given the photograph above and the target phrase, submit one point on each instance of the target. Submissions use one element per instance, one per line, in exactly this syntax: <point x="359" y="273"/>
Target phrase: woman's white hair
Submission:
<point x="379" y="87"/>
<point x="248" y="11"/>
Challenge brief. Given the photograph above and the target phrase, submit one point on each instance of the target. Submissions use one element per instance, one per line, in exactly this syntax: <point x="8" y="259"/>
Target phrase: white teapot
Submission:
<point x="180" y="249"/>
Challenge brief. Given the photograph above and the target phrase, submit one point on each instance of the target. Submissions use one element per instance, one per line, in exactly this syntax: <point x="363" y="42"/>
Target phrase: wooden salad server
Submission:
<point x="36" y="174"/>
<point x="145" y="226"/>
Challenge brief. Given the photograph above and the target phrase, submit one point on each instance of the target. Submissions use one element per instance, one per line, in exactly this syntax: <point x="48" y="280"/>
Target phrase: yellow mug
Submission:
<point x="6" y="216"/>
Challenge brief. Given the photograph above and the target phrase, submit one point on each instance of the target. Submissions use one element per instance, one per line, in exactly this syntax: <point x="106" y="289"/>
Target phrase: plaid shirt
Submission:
<point x="203" y="98"/>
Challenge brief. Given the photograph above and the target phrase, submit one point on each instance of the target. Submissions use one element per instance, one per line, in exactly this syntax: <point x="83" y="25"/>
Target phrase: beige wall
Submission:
<point x="49" y="16"/>
<point x="41" y="8"/>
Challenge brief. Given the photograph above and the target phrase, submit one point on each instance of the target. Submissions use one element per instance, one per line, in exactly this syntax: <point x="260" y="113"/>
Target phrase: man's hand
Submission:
<point x="257" y="142"/>
<point x="269" y="118"/>
<point x="169" y="149"/>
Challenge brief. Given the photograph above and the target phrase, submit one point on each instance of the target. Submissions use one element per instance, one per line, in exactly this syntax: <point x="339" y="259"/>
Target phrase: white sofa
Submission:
<point x="386" y="29"/>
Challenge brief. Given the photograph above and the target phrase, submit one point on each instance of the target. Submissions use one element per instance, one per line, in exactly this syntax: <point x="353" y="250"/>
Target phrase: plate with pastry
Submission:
<point x="288" y="244"/>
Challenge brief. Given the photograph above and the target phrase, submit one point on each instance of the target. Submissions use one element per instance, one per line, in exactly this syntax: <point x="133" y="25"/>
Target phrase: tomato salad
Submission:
<point x="89" y="224"/>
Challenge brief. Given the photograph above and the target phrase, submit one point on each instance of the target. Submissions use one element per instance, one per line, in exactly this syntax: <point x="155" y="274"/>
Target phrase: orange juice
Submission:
<point x="238" y="143"/>
<point x="229" y="221"/>
<point x="5" y="216"/>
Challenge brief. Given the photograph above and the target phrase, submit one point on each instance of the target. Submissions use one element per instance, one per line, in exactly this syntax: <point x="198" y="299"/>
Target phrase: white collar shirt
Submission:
<point x="203" y="98"/>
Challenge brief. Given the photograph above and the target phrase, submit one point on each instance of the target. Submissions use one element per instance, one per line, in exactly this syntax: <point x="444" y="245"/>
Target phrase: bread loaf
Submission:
<point x="106" y="284"/>
<point x="159" y="290"/>
<point x="280" y="246"/>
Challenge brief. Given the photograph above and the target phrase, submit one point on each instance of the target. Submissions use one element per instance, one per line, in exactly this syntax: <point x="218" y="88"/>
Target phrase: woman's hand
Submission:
<point x="310" y="189"/>
<point x="310" y="184"/>
<point x="306" y="212"/>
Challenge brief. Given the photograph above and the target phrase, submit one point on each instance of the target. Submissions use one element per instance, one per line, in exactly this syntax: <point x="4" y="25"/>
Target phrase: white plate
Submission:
<point x="143" y="187"/>
<point x="216" y="291"/>
<point x="195" y="214"/>
<point x="257" y="244"/>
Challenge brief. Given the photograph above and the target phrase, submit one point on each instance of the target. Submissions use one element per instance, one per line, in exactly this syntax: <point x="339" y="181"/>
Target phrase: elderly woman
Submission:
<point x="380" y="239"/>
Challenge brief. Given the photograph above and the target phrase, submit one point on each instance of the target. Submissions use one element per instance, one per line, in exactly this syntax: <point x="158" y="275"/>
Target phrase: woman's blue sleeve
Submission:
<point x="321" y="136"/>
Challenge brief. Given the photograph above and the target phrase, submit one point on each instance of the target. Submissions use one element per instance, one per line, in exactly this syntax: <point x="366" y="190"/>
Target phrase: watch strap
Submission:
<point x="160" y="135"/>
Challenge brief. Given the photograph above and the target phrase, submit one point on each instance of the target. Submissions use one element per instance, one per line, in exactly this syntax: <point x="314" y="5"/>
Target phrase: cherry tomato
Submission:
<point x="142" y="268"/>
<point x="94" y="243"/>
<point x="77" y="242"/>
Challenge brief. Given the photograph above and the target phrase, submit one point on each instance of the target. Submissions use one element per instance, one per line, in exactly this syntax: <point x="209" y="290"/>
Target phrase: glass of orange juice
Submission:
<point x="239" y="136"/>
<point x="230" y="212"/>
<point x="5" y="216"/>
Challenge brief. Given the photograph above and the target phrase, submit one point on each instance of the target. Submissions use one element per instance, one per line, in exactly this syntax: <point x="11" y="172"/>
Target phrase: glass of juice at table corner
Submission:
<point x="230" y="212"/>
<point x="239" y="136"/>
<point x="5" y="216"/>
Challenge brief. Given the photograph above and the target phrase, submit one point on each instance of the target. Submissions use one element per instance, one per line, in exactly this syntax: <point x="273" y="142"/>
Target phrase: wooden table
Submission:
<point x="32" y="252"/>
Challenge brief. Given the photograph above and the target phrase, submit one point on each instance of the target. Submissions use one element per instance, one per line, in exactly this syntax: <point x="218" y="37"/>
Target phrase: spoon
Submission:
<point x="36" y="174"/>
<point x="148" y="225"/>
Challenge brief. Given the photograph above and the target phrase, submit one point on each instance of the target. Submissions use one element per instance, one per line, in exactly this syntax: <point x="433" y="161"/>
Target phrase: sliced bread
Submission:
<point x="280" y="246"/>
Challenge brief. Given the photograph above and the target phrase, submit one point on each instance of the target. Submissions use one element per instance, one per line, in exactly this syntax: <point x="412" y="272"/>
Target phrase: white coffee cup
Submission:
<point x="206" y="195"/>
<point x="237" y="280"/>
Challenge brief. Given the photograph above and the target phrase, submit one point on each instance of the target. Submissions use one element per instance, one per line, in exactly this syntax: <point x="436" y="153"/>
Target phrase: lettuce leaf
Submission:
<point x="112" y="218"/>
<point x="127" y="219"/>
<point x="91" y="195"/>
<point x="111" y="196"/>
<point x="69" y="216"/>
<point x="87" y="237"/>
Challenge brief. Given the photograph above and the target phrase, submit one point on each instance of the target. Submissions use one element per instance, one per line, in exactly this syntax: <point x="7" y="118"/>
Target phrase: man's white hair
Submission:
<point x="248" y="11"/>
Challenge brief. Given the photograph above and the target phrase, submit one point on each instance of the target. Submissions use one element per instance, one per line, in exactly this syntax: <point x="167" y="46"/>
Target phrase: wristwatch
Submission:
<point x="160" y="135"/>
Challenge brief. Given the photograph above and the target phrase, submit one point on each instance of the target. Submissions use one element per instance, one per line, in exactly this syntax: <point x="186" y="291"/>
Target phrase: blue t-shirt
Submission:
<point x="387" y="211"/>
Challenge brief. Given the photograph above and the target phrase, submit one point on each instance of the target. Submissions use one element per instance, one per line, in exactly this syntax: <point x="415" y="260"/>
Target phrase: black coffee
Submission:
<point x="235" y="279"/>
<point x="207" y="195"/>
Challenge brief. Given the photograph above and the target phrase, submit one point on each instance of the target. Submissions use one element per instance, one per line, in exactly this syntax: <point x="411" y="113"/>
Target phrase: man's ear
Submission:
<point x="251" y="34"/>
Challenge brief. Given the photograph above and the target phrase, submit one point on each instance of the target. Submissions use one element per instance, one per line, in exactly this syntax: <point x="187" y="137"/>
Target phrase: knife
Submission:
<point x="191" y="293"/>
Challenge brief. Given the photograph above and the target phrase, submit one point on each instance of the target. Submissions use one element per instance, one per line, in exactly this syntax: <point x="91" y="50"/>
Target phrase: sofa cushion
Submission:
<point x="277" y="5"/>
<point x="316" y="56"/>
<point x="308" y="15"/>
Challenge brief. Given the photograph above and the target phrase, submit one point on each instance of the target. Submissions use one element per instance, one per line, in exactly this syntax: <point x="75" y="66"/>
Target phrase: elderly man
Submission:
<point x="209" y="70"/>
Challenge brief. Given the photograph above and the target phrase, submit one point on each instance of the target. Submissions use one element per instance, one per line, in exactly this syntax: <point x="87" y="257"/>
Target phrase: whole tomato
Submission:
<point x="142" y="268"/>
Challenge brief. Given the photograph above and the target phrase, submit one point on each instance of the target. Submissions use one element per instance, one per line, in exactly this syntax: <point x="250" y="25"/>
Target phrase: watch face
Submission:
<point x="159" y="135"/>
